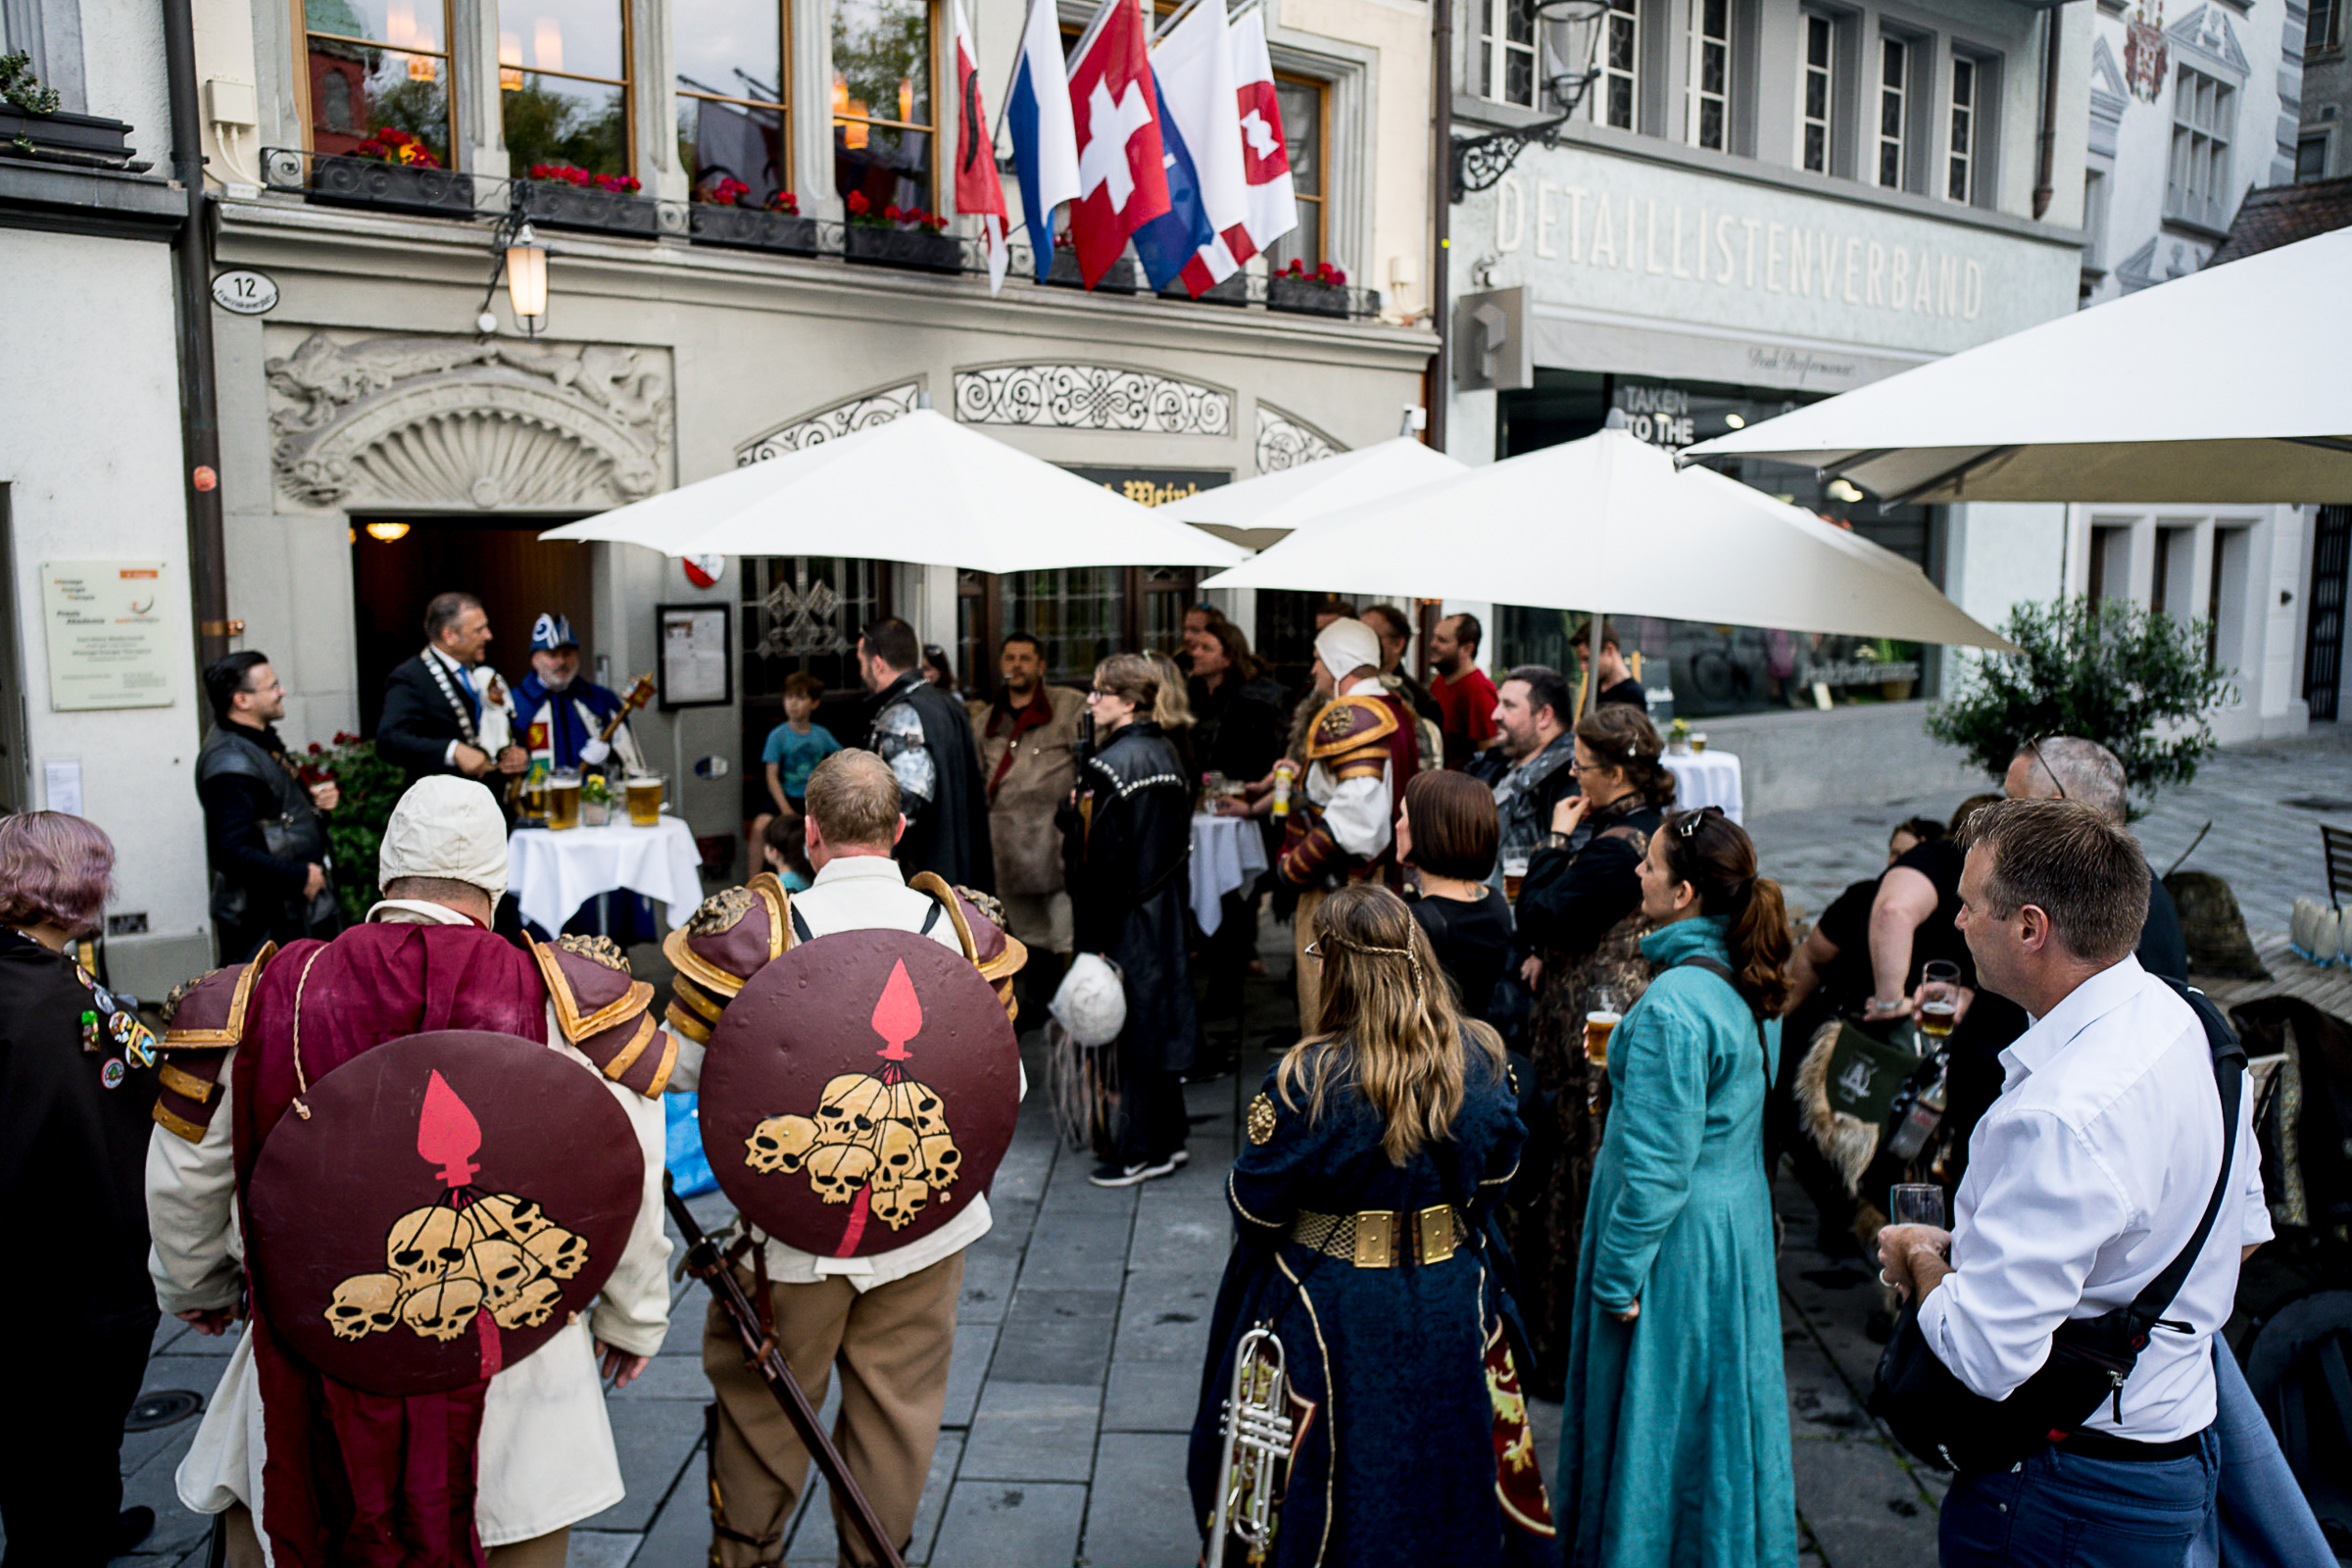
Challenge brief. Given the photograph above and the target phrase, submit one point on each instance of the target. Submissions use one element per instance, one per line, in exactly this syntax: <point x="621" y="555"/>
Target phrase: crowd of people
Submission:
<point x="1553" y="1036"/>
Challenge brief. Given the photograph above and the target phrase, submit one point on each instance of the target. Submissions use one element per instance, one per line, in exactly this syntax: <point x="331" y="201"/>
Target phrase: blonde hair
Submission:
<point x="1389" y="1014"/>
<point x="1171" y="708"/>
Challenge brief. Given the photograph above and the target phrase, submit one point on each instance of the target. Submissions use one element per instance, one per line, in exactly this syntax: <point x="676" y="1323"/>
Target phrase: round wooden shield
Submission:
<point x="451" y="1201"/>
<point x="859" y="1092"/>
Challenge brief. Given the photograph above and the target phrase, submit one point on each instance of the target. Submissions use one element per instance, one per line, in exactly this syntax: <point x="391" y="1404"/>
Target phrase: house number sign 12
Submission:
<point x="245" y="292"/>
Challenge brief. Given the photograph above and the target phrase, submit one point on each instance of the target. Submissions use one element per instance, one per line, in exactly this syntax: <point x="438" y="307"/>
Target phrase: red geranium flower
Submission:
<point x="784" y="201"/>
<point x="858" y="204"/>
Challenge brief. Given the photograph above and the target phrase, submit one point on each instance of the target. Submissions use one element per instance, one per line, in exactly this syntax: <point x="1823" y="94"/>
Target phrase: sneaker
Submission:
<point x="1110" y="1175"/>
<point x="1181" y="1159"/>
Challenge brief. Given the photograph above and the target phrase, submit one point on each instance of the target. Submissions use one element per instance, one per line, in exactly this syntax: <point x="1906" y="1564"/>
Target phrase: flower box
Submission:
<point x="752" y="228"/>
<point x="558" y="204"/>
<point x="92" y="136"/>
<point x="340" y="181"/>
<point x="1064" y="274"/>
<point x="1235" y="290"/>
<point x="917" y="249"/>
<point x="1305" y="295"/>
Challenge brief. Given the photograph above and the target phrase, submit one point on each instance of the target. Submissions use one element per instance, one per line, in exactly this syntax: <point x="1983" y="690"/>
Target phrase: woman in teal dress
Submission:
<point x="1676" y="1444"/>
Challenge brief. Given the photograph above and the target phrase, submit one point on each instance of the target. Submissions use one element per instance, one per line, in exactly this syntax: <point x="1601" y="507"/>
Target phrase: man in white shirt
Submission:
<point x="2090" y="1172"/>
<point x="886" y="1319"/>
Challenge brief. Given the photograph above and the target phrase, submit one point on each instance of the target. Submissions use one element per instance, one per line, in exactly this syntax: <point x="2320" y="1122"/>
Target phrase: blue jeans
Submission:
<point x="2260" y="1519"/>
<point x="2062" y="1510"/>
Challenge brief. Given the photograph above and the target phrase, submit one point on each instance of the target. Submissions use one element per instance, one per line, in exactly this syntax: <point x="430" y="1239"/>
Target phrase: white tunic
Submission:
<point x="546" y="1457"/>
<point x="1357" y="810"/>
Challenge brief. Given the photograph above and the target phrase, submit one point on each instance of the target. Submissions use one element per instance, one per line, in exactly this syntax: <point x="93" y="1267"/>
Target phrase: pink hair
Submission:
<point x="54" y="868"/>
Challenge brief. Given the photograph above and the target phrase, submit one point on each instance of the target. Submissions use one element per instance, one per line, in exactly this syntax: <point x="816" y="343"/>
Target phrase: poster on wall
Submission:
<point x="695" y="671"/>
<point x="107" y="634"/>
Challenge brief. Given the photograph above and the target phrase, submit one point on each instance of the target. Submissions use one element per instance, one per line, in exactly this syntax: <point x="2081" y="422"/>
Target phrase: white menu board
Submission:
<point x="108" y="630"/>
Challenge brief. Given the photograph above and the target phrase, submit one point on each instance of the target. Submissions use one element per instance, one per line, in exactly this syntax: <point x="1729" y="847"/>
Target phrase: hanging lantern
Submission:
<point x="526" y="278"/>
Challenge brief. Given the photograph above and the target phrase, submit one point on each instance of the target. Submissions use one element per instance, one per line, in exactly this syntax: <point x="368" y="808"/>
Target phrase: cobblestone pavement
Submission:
<point x="1084" y="1312"/>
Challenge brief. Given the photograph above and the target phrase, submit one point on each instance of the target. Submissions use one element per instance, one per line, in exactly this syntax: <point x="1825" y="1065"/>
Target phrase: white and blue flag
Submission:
<point x="1045" y="133"/>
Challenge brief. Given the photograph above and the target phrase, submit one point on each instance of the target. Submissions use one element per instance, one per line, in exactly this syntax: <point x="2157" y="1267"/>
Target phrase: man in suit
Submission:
<point x="445" y="711"/>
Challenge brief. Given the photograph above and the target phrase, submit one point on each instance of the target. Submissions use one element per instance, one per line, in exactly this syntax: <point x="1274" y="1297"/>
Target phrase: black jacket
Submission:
<point x="418" y="723"/>
<point x="251" y="795"/>
<point x="1239" y="728"/>
<point x="72" y="1153"/>
<point x="1572" y="897"/>
<point x="1128" y="848"/>
<point x="946" y="799"/>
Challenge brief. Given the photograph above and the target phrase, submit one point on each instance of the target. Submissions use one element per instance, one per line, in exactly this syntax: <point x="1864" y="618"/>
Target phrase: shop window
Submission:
<point x="1305" y="108"/>
<point x="1960" y="157"/>
<point x="732" y="114"/>
<point x="1618" y="103"/>
<point x="802" y="615"/>
<point x="1707" y="91"/>
<point x="1817" y="95"/>
<point x="2197" y="186"/>
<point x="377" y="64"/>
<point x="1894" y="112"/>
<point x="884" y="65"/>
<point x="1079" y="617"/>
<point x="564" y="84"/>
<point x="1506" y="52"/>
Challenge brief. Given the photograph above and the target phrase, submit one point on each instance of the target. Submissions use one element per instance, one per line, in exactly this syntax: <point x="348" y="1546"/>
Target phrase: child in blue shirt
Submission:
<point x="796" y="746"/>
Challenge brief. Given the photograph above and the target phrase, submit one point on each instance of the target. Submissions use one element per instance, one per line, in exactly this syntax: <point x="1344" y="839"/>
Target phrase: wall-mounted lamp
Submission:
<point x="384" y="533"/>
<point x="522" y="263"/>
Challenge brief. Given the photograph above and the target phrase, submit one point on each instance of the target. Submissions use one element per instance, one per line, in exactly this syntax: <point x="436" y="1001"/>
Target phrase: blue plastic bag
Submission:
<point x="689" y="1168"/>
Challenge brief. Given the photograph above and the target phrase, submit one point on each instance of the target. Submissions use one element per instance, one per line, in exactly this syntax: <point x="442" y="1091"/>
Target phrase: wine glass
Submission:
<point x="1916" y="1204"/>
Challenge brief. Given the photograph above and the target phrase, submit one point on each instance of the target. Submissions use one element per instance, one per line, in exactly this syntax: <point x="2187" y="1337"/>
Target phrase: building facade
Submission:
<point x="1753" y="204"/>
<point x="2189" y="112"/>
<point x="100" y="711"/>
<point x="380" y="443"/>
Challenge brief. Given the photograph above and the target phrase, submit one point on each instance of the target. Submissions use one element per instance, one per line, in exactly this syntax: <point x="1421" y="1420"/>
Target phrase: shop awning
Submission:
<point x="2228" y="385"/>
<point x="921" y="489"/>
<point x="1257" y="512"/>
<point x="1608" y="523"/>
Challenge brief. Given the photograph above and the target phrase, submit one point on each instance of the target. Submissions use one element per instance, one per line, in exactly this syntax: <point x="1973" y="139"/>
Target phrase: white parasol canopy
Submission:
<point x="1608" y="523"/>
<point x="920" y="488"/>
<point x="1257" y="512"/>
<point x="2228" y="385"/>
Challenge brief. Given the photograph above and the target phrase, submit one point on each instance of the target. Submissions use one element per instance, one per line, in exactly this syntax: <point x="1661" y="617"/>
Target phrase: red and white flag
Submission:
<point x="1273" y="207"/>
<point x="979" y="190"/>
<point x="1122" y="164"/>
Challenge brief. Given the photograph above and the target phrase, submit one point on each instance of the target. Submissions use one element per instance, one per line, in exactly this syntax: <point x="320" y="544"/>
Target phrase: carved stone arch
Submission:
<point x="453" y="423"/>
<point x="1285" y="440"/>
<point x="1070" y="396"/>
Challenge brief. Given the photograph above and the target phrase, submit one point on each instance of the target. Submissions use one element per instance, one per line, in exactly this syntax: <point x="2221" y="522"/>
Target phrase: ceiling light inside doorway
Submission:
<point x="1844" y="490"/>
<point x="386" y="534"/>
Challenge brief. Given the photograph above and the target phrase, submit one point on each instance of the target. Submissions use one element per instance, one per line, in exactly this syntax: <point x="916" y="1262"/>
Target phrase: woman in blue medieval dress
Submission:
<point x="1675" y="1437"/>
<point x="1361" y="1198"/>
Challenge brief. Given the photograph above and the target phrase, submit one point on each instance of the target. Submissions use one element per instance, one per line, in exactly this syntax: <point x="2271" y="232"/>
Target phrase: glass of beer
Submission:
<point x="645" y="798"/>
<point x="1599" y="1024"/>
<point x="1514" y="872"/>
<point x="531" y="800"/>
<point x="563" y="799"/>
<point x="1698" y="742"/>
<point x="1938" y="998"/>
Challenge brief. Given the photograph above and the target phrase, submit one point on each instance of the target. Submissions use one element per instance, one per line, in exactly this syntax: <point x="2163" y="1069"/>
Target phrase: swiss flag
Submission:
<point x="1122" y="166"/>
<point x="1265" y="151"/>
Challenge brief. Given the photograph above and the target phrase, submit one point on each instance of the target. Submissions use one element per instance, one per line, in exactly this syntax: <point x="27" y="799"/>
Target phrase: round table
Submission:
<point x="1229" y="854"/>
<point x="1706" y="778"/>
<point x="552" y="874"/>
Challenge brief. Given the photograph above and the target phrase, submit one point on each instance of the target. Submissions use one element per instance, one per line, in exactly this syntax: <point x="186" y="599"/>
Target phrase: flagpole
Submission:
<point x="1101" y="16"/>
<point x="1019" y="53"/>
<point x="1168" y="26"/>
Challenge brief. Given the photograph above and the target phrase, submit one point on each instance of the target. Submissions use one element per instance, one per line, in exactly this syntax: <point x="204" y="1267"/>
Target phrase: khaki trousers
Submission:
<point x="540" y="1551"/>
<point x="1308" y="976"/>
<point x="892" y="1345"/>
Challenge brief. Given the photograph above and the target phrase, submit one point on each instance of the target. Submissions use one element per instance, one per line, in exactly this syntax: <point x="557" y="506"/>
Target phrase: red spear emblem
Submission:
<point x="898" y="1018"/>
<point x="447" y="1134"/>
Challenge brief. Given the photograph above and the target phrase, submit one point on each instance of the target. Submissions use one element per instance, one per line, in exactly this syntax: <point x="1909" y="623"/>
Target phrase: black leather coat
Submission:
<point x="1128" y="851"/>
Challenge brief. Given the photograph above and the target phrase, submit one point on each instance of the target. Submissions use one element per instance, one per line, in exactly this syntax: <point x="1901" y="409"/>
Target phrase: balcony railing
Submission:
<point x="339" y="181"/>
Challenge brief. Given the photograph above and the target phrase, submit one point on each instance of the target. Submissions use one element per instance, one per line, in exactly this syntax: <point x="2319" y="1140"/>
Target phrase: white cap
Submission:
<point x="447" y="827"/>
<point x="1346" y="645"/>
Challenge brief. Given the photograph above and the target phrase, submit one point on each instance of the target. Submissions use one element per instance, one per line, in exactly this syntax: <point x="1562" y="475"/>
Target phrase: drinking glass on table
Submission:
<point x="1915" y="1203"/>
<point x="1939" y="1000"/>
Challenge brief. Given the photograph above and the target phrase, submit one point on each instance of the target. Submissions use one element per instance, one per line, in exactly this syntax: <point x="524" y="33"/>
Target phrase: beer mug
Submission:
<point x="1514" y="871"/>
<point x="1698" y="742"/>
<point x="645" y="798"/>
<point x="531" y="800"/>
<point x="563" y="799"/>
<point x="1599" y="1024"/>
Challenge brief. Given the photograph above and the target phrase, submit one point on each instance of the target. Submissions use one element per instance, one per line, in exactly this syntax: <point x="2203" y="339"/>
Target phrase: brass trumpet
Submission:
<point x="1254" y="1466"/>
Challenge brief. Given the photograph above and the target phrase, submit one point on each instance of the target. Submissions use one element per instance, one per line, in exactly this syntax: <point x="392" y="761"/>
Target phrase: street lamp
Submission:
<point x="522" y="262"/>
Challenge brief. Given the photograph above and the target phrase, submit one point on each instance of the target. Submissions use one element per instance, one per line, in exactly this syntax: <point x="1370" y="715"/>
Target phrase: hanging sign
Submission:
<point x="244" y="292"/>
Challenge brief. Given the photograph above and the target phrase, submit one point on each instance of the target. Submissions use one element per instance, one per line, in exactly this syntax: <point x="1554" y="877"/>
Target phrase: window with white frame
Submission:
<point x="1895" y="110"/>
<point x="1707" y="95"/>
<point x="1960" y="159"/>
<point x="2197" y="186"/>
<point x="1506" y="51"/>
<point x="1619" y="101"/>
<point x="1815" y="95"/>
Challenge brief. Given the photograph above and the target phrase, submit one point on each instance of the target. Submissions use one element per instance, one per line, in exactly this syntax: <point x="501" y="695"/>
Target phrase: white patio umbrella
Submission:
<point x="1261" y="512"/>
<point x="920" y="488"/>
<point x="1607" y="523"/>
<point x="2228" y="385"/>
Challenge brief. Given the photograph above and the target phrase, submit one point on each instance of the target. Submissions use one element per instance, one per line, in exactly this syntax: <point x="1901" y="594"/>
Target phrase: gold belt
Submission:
<point x="1383" y="1237"/>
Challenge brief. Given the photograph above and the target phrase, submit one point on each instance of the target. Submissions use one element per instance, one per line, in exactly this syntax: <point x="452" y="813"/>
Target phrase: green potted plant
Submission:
<point x="596" y="801"/>
<point x="1321" y="292"/>
<point x="32" y="125"/>
<point x="1678" y="737"/>
<point x="895" y="236"/>
<point x="567" y="196"/>
<point x="355" y="829"/>
<point x="393" y="168"/>
<point x="723" y="213"/>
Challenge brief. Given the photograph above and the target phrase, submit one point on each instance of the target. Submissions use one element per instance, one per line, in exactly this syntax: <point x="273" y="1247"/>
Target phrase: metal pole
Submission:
<point x="199" y="399"/>
<point x="1439" y="378"/>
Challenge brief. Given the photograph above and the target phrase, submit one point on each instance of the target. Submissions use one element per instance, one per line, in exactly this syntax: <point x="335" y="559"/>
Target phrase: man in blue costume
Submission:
<point x="561" y="713"/>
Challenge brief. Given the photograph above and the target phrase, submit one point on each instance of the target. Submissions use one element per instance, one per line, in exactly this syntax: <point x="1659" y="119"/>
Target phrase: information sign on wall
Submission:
<point x="107" y="634"/>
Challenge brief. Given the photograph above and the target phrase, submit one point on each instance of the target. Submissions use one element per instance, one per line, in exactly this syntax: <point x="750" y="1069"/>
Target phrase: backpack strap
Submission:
<point x="2147" y="1309"/>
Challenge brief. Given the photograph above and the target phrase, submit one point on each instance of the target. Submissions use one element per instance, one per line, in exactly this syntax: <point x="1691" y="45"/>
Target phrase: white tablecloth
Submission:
<point x="554" y="873"/>
<point x="1229" y="853"/>
<point x="1706" y="779"/>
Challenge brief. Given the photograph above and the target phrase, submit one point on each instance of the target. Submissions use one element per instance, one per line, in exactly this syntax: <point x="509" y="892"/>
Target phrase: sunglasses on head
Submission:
<point x="2034" y="746"/>
<point x="1687" y="824"/>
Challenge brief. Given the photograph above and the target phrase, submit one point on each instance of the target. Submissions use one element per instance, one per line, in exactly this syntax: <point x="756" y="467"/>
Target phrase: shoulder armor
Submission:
<point x="1348" y="724"/>
<point x="732" y="937"/>
<point x="604" y="1013"/>
<point x="204" y="1020"/>
<point x="980" y="929"/>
